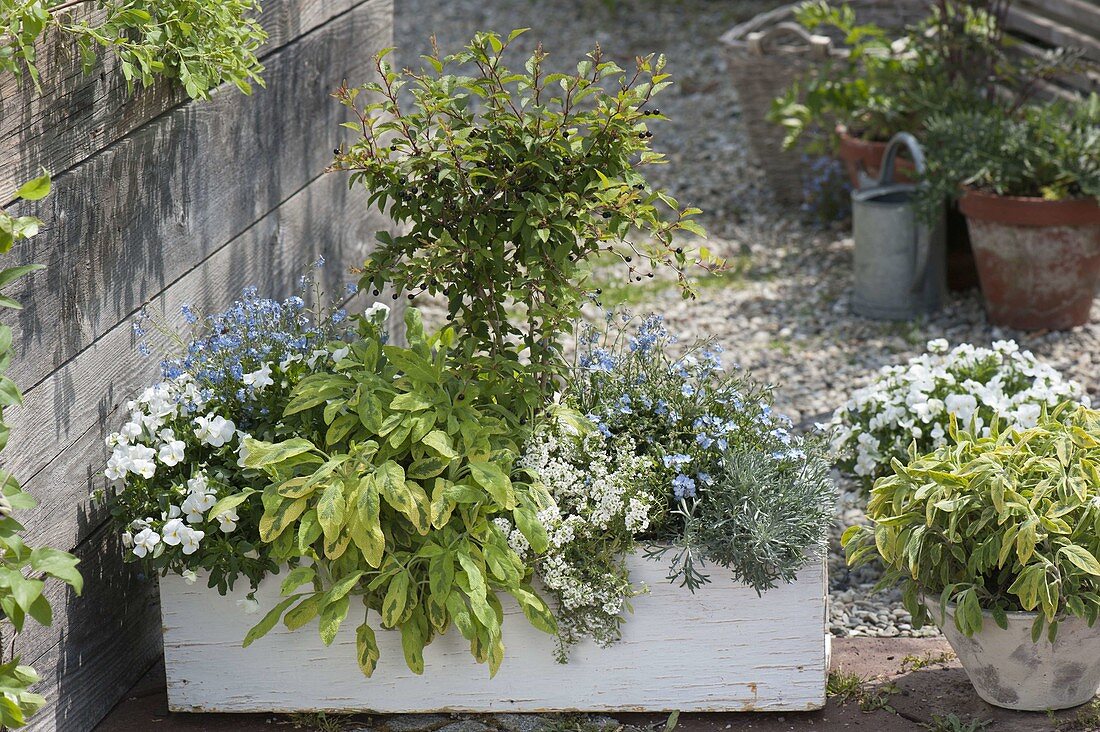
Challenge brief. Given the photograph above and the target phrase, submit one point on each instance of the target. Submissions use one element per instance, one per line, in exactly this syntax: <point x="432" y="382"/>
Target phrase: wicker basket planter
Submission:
<point x="765" y="54"/>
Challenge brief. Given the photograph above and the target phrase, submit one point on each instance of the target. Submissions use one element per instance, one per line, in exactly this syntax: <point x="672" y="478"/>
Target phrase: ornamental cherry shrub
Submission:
<point x="509" y="183"/>
<point x="912" y="404"/>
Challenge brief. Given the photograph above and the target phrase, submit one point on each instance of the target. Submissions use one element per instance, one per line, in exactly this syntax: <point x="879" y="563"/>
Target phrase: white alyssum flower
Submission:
<point x="214" y="431"/>
<point x="250" y="605"/>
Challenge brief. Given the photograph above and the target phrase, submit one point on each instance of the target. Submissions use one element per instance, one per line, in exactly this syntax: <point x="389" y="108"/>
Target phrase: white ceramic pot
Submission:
<point x="1008" y="670"/>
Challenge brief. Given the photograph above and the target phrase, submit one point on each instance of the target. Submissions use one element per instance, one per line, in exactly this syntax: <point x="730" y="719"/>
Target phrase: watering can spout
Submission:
<point x="899" y="258"/>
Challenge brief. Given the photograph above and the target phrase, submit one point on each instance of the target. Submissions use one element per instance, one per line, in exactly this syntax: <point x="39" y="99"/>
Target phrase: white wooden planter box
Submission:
<point x="722" y="648"/>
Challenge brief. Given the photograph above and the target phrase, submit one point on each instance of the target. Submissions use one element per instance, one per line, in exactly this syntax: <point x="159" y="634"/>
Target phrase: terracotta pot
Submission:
<point x="1038" y="261"/>
<point x="1009" y="670"/>
<point x="865" y="156"/>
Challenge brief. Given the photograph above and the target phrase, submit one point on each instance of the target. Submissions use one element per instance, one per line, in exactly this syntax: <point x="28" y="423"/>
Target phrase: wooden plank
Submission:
<point x="100" y="643"/>
<point x="722" y="648"/>
<point x="1048" y="31"/>
<point x="135" y="217"/>
<point x="78" y="114"/>
<point x="61" y="457"/>
<point x="1080" y="14"/>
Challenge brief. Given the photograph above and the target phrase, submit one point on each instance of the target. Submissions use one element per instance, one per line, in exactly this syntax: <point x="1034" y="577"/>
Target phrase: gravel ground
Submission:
<point x="784" y="309"/>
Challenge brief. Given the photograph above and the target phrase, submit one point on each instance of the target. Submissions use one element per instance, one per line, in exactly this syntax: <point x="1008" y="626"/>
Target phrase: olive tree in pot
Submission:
<point x="1028" y="184"/>
<point x="995" y="538"/>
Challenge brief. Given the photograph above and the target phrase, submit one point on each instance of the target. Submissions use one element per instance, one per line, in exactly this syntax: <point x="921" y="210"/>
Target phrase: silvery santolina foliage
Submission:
<point x="914" y="402"/>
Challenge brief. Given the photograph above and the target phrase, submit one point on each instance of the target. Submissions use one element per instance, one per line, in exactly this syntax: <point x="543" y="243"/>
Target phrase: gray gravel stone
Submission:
<point x="465" y="725"/>
<point x="521" y="722"/>
<point x="418" y="723"/>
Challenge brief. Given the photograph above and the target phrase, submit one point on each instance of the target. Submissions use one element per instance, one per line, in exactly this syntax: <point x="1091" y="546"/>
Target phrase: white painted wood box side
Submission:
<point x="722" y="648"/>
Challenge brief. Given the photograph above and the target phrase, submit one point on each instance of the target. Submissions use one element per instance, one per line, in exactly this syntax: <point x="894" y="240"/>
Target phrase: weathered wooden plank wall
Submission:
<point x="157" y="202"/>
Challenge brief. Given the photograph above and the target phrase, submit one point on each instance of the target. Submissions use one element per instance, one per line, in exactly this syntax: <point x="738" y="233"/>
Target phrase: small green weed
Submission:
<point x="318" y="722"/>
<point x="915" y="663"/>
<point x="847" y="687"/>
<point x="952" y="723"/>
<point x="1087" y="719"/>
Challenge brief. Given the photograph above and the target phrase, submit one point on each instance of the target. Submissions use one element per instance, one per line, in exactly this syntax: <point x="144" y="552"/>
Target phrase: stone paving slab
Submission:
<point x="918" y="679"/>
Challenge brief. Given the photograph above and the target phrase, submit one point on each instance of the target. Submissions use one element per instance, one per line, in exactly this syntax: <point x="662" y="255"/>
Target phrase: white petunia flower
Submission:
<point x="378" y="312"/>
<point x="341" y="353"/>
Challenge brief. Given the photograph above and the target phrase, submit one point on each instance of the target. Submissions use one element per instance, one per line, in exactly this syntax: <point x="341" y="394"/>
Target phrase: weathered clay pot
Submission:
<point x="1008" y="670"/>
<point x="865" y="156"/>
<point x="1038" y="260"/>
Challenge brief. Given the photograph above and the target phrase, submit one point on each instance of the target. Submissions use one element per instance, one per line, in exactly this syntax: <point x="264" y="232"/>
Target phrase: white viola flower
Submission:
<point x="250" y="605"/>
<point x="145" y="541"/>
<point x="962" y="406"/>
<point x="259" y="379"/>
<point x="227" y="521"/>
<point x="938" y="345"/>
<point x="197" y="504"/>
<point x="189" y="576"/>
<point x="242" y="449"/>
<point x="214" y="430"/>
<point x="113" y="440"/>
<point x="198" y="484"/>
<point x="173" y="531"/>
<point x="1026" y="416"/>
<point x="139" y="460"/>
<point x="133" y="429"/>
<point x="173" y="512"/>
<point x="191" y="541"/>
<point x="171" y="453"/>
<point x="127" y="539"/>
<point x="116" y="466"/>
<point x="378" y="312"/>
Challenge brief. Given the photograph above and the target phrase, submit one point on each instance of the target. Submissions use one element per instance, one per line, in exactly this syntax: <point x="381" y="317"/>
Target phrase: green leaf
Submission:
<point x="532" y="529"/>
<point x="493" y="479"/>
<point x="304" y="611"/>
<point x="332" y="616"/>
<point x="366" y="649"/>
<point x="1081" y="558"/>
<point x="35" y="189"/>
<point x="396" y="600"/>
<point x="296" y="578"/>
<point x="365" y="527"/>
<point x="59" y="564"/>
<point x="261" y="454"/>
<point x="441" y="443"/>
<point x="264" y="626"/>
<point x="332" y="510"/>
<point x="412" y="643"/>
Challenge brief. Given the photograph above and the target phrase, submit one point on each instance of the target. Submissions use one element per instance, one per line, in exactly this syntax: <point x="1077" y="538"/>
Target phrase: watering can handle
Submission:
<point x="890" y="156"/>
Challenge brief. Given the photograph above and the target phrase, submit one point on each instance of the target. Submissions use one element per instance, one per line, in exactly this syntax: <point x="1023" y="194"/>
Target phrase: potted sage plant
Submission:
<point x="996" y="539"/>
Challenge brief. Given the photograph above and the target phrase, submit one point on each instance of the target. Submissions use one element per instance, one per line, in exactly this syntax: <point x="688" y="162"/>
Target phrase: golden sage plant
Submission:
<point x="1002" y="523"/>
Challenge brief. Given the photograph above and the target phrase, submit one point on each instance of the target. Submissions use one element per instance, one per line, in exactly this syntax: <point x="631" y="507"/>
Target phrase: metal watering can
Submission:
<point x="899" y="259"/>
